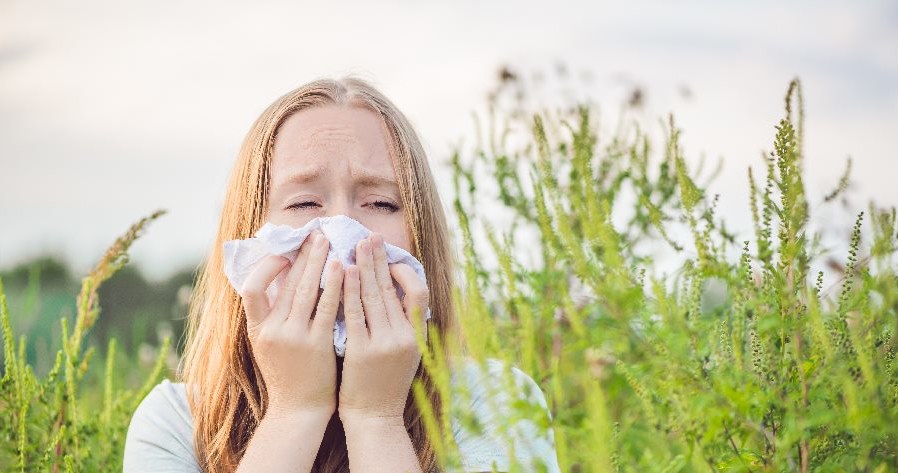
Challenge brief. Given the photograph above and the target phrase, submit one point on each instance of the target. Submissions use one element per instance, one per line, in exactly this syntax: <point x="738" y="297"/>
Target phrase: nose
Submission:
<point x="343" y="206"/>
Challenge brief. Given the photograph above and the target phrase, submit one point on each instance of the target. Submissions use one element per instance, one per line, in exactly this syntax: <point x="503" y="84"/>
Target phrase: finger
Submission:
<point x="326" y="313"/>
<point x="385" y="281"/>
<point x="255" y="300"/>
<point x="306" y="295"/>
<point x="416" y="294"/>
<point x="285" y="296"/>
<point x="373" y="304"/>
<point x="356" y="332"/>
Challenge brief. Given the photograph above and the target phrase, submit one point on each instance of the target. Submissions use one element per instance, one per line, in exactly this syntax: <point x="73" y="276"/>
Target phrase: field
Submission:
<point x="744" y="359"/>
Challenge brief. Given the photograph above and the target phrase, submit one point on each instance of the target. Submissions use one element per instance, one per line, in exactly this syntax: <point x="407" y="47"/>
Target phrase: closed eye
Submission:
<point x="301" y="205"/>
<point x="385" y="206"/>
<point x="380" y="206"/>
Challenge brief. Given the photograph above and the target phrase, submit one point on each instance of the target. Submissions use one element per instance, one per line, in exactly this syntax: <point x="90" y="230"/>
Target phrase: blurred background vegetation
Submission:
<point x="137" y="312"/>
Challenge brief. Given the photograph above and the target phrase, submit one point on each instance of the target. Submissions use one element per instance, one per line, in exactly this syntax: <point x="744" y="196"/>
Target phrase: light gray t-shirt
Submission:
<point x="160" y="435"/>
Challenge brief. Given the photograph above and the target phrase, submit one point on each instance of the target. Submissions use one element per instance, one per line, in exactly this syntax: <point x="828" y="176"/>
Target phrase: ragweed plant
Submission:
<point x="53" y="421"/>
<point x="789" y="372"/>
<point x="641" y="373"/>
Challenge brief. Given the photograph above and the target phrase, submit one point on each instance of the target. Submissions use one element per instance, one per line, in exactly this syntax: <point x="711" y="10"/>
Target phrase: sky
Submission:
<point x="110" y="110"/>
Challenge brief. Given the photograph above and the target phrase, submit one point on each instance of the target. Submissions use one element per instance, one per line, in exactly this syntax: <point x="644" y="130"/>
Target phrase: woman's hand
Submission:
<point x="382" y="356"/>
<point x="293" y="349"/>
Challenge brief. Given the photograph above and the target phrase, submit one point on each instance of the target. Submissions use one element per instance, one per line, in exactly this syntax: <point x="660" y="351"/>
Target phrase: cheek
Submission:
<point x="394" y="233"/>
<point x="401" y="240"/>
<point x="295" y="219"/>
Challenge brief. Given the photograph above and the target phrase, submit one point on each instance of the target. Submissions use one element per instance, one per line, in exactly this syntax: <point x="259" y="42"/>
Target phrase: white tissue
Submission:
<point x="343" y="232"/>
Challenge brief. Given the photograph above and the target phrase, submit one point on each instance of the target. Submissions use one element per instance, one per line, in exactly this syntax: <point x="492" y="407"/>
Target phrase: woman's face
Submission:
<point x="333" y="160"/>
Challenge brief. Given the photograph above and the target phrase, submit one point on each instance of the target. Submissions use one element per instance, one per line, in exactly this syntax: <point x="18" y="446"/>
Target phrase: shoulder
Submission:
<point x="160" y="434"/>
<point x="499" y="412"/>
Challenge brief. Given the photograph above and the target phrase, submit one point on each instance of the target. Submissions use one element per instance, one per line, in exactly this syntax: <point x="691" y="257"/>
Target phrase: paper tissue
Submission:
<point x="343" y="232"/>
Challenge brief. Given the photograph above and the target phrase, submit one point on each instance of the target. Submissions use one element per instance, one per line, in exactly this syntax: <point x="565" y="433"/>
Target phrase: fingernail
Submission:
<point x="366" y="247"/>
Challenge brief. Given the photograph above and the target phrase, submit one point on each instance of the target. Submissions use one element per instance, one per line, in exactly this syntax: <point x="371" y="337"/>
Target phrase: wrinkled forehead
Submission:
<point x="332" y="127"/>
<point x="353" y="139"/>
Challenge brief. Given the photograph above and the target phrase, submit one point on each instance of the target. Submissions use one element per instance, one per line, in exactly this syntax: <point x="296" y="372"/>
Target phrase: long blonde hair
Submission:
<point x="226" y="392"/>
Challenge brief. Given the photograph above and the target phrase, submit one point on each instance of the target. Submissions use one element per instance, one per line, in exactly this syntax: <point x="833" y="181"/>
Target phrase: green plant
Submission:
<point x="54" y="422"/>
<point x="641" y="371"/>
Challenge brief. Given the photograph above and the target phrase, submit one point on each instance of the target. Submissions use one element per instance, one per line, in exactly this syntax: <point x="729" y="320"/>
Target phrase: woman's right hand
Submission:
<point x="292" y="340"/>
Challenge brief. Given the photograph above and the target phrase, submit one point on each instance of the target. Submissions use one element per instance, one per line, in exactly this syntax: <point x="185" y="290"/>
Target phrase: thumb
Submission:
<point x="253" y="292"/>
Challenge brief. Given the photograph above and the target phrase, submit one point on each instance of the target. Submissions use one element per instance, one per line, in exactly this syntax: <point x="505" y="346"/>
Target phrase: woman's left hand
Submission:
<point x="382" y="355"/>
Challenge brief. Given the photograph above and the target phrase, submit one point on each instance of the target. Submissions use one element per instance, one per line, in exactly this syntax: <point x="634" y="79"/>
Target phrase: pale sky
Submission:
<point x="110" y="110"/>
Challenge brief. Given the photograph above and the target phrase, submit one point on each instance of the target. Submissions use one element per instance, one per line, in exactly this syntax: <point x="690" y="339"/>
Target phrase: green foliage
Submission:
<point x="641" y="370"/>
<point x="60" y="420"/>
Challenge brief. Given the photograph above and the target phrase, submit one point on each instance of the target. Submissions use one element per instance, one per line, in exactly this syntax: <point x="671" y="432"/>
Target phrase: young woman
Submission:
<point x="268" y="392"/>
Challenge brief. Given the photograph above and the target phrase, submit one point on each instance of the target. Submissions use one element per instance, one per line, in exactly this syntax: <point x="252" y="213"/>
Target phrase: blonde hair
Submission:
<point x="228" y="395"/>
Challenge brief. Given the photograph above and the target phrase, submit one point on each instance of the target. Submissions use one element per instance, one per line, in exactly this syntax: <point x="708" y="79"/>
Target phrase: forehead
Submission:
<point x="331" y="137"/>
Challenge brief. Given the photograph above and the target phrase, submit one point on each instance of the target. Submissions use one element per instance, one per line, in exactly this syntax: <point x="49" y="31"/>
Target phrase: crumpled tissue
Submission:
<point x="343" y="232"/>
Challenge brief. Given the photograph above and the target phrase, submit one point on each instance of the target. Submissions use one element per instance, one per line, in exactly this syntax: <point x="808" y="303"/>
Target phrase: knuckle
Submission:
<point x="408" y="347"/>
<point x="395" y="347"/>
<point x="386" y="285"/>
<point x="289" y="287"/>
<point x="295" y="273"/>
<point x="264" y="339"/>
<point x="354" y="314"/>
<point x="355" y="319"/>
<point x="407" y="343"/>
<point x="305" y="343"/>
<point x="352" y="309"/>
<point x="383" y="346"/>
<point x="326" y="305"/>
<point x="370" y="299"/>
<point x="306" y="290"/>
<point x="269" y="340"/>
<point x="250" y="292"/>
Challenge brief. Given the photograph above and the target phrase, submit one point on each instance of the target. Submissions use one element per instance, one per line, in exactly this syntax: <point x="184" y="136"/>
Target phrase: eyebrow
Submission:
<point x="362" y="178"/>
